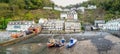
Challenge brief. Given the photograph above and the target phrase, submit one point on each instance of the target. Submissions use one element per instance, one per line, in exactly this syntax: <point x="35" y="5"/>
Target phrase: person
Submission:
<point x="91" y="28"/>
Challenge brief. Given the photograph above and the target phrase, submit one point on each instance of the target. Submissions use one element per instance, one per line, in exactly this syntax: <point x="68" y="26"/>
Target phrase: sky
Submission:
<point x="66" y="2"/>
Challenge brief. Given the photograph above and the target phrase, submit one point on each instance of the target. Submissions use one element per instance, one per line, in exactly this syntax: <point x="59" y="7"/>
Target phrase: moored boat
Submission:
<point x="71" y="43"/>
<point x="17" y="35"/>
<point x="56" y="42"/>
<point x="51" y="43"/>
<point x="22" y="35"/>
<point x="62" y="41"/>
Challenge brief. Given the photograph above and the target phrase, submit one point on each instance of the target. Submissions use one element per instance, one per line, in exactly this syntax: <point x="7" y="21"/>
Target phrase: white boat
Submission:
<point x="71" y="43"/>
<point x="62" y="41"/>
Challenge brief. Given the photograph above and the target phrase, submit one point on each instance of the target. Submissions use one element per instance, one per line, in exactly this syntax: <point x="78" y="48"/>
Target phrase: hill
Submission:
<point x="111" y="7"/>
<point x="106" y="9"/>
<point x="25" y="10"/>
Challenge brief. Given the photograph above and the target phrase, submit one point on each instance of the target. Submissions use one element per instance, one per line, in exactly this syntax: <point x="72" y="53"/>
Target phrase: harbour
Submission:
<point x="46" y="27"/>
<point x="95" y="43"/>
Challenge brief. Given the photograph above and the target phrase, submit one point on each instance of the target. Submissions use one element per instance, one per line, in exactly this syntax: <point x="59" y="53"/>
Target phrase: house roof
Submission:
<point x="21" y="22"/>
<point x="114" y="21"/>
<point x="69" y="12"/>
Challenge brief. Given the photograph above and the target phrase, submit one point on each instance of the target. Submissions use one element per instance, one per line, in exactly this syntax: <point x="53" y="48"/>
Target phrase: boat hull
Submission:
<point x="50" y="45"/>
<point x="69" y="45"/>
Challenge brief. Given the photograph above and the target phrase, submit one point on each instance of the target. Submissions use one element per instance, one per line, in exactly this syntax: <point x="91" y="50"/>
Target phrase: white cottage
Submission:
<point x="112" y="25"/>
<point x="72" y="26"/>
<point x="99" y="23"/>
<point x="91" y="7"/>
<point x="19" y="25"/>
<point x="41" y="21"/>
<point x="82" y="9"/>
<point x="53" y="24"/>
<point x="69" y="15"/>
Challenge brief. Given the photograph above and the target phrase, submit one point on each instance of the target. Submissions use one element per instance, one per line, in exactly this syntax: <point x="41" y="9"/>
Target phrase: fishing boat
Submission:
<point x="17" y="34"/>
<point x="71" y="43"/>
<point x="56" y="42"/>
<point x="51" y="43"/>
<point x="62" y="41"/>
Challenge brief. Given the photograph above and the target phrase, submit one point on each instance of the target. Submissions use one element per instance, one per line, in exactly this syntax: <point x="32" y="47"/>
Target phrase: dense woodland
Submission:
<point x="32" y="10"/>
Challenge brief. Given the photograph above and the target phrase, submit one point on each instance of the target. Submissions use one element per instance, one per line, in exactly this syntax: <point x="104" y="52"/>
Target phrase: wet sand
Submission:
<point x="99" y="43"/>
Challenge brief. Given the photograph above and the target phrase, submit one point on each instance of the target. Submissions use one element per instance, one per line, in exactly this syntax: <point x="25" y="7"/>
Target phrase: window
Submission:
<point x="16" y="26"/>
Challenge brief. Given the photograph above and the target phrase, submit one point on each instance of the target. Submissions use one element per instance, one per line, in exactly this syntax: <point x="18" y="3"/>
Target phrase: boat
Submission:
<point x="62" y="41"/>
<point x="17" y="34"/>
<point x="51" y="43"/>
<point x="71" y="43"/>
<point x="55" y="42"/>
<point x="21" y="36"/>
<point x="34" y="29"/>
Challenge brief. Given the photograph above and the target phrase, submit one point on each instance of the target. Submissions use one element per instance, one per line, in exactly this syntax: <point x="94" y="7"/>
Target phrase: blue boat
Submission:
<point x="71" y="43"/>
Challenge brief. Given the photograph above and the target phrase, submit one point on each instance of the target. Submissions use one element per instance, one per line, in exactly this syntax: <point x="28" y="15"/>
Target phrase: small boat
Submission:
<point x="51" y="43"/>
<point x="56" y="42"/>
<point x="71" y="43"/>
<point x="62" y="41"/>
<point x="17" y="35"/>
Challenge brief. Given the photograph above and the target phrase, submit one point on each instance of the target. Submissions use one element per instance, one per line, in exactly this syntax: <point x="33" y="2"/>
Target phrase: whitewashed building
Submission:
<point x="91" y="7"/>
<point x="62" y="25"/>
<point x="99" y="23"/>
<point x="41" y="21"/>
<point x="72" y="26"/>
<point x="49" y="8"/>
<point x="58" y="9"/>
<point x="53" y="24"/>
<point x="69" y="15"/>
<point x="65" y="9"/>
<point x="63" y="15"/>
<point x="82" y="9"/>
<point x="19" y="25"/>
<point x="112" y="25"/>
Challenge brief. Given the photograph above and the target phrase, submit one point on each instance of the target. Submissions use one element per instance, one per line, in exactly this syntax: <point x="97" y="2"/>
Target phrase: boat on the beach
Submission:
<point x="51" y="43"/>
<point x="71" y="42"/>
<point x="17" y="35"/>
<point x="55" y="42"/>
<point x="23" y="35"/>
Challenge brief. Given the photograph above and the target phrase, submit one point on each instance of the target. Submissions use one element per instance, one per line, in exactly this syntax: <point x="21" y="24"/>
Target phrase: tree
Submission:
<point x="4" y="22"/>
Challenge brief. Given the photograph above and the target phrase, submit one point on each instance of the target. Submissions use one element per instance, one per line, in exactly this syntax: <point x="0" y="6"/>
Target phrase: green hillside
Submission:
<point x="25" y="10"/>
<point x="33" y="10"/>
<point x="106" y="9"/>
<point x="111" y="7"/>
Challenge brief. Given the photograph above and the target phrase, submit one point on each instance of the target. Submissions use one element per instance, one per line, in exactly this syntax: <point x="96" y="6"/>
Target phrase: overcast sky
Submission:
<point x="67" y="2"/>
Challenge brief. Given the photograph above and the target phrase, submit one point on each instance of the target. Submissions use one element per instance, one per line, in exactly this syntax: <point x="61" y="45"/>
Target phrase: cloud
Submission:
<point x="67" y="2"/>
